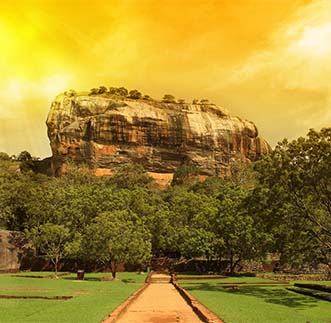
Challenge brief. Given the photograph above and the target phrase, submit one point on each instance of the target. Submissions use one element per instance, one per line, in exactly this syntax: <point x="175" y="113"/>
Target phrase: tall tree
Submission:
<point x="117" y="237"/>
<point x="52" y="239"/>
<point x="298" y="174"/>
<point x="242" y="240"/>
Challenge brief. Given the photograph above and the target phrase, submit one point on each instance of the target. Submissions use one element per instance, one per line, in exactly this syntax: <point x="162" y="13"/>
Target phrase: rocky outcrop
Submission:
<point x="109" y="131"/>
<point x="12" y="247"/>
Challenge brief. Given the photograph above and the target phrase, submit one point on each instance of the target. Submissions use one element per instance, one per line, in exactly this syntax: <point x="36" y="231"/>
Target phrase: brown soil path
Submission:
<point x="159" y="303"/>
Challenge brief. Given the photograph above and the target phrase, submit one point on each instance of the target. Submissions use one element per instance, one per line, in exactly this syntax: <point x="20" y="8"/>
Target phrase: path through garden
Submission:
<point x="160" y="302"/>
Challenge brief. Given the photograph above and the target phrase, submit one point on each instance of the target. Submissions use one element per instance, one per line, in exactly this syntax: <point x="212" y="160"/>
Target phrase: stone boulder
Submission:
<point x="13" y="245"/>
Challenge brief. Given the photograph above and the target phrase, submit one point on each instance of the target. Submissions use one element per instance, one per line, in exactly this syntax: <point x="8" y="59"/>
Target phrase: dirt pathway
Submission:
<point x="159" y="303"/>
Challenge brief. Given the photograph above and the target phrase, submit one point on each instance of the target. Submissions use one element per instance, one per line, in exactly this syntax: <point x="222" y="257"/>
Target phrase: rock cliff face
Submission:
<point x="161" y="136"/>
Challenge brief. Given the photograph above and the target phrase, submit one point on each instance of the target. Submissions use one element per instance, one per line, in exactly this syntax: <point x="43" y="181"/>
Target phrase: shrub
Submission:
<point x="102" y="89"/>
<point x="204" y="101"/>
<point x="168" y="98"/>
<point x="134" y="94"/>
<point x="4" y="156"/>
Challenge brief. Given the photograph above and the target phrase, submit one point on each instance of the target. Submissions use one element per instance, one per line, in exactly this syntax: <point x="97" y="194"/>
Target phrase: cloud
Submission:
<point x="291" y="78"/>
<point x="16" y="93"/>
<point x="298" y="54"/>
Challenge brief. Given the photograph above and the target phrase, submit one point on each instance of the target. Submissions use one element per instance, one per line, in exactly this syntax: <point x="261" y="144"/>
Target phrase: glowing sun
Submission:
<point x="315" y="40"/>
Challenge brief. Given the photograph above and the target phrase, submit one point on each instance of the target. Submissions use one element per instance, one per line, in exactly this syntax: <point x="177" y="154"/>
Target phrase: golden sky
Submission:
<point x="268" y="61"/>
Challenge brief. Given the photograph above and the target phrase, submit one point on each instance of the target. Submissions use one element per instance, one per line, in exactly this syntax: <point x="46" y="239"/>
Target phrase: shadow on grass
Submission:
<point x="270" y="295"/>
<point x="94" y="279"/>
<point x="128" y="280"/>
<point x="101" y="279"/>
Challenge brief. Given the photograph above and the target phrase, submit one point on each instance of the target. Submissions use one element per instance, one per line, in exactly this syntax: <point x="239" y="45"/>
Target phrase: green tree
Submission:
<point x="122" y="91"/>
<point x="204" y="101"/>
<point x="297" y="175"/>
<point x="185" y="174"/>
<point x="70" y="93"/>
<point x="189" y="212"/>
<point x="147" y="98"/>
<point x="52" y="240"/>
<point x="210" y="186"/>
<point x="198" y="242"/>
<point x="94" y="91"/>
<point x="4" y="156"/>
<point x="130" y="176"/>
<point x="117" y="237"/>
<point x="135" y="94"/>
<point x="168" y="98"/>
<point x="24" y="156"/>
<point x="242" y="239"/>
<point x="164" y="235"/>
<point x="102" y="89"/>
<point x="112" y="90"/>
<point x="7" y="191"/>
<point x="242" y="173"/>
<point x="241" y="235"/>
<point x="17" y="191"/>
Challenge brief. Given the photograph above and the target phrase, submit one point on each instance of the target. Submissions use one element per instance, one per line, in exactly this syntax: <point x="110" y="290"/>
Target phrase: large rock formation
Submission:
<point x="109" y="131"/>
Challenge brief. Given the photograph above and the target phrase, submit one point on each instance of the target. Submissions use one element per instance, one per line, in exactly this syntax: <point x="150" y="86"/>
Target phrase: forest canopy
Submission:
<point x="280" y="204"/>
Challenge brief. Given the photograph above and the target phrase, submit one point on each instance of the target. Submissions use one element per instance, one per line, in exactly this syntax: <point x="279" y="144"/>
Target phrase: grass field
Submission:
<point x="92" y="299"/>
<point x="258" y="303"/>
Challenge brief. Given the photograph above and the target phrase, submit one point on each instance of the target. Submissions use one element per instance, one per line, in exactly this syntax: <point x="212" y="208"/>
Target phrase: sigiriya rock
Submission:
<point x="107" y="131"/>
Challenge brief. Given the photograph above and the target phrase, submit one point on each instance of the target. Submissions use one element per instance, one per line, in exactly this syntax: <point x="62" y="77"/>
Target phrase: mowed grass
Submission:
<point x="259" y="303"/>
<point x="92" y="299"/>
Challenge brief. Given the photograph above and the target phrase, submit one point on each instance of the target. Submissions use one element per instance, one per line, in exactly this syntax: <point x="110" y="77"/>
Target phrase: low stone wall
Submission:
<point x="204" y="314"/>
<point x="289" y="277"/>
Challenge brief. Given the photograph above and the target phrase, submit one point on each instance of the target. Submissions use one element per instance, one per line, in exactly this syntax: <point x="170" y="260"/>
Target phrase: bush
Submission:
<point x="93" y="91"/>
<point x="147" y="98"/>
<point x="168" y="98"/>
<point x="24" y="156"/>
<point x="4" y="156"/>
<point x="134" y="94"/>
<point x="102" y="89"/>
<point x="122" y="91"/>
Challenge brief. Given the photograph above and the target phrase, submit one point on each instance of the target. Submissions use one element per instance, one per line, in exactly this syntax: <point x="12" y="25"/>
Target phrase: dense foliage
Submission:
<point x="295" y="195"/>
<point x="283" y="206"/>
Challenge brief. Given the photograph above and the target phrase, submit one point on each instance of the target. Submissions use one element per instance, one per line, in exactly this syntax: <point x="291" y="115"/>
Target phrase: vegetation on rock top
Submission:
<point x="122" y="92"/>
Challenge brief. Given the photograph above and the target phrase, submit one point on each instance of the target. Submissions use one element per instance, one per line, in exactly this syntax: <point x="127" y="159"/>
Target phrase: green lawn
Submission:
<point x="259" y="304"/>
<point x="92" y="299"/>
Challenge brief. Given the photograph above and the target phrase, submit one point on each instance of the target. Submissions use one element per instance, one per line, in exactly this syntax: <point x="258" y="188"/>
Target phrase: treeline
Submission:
<point x="122" y="92"/>
<point x="281" y="204"/>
